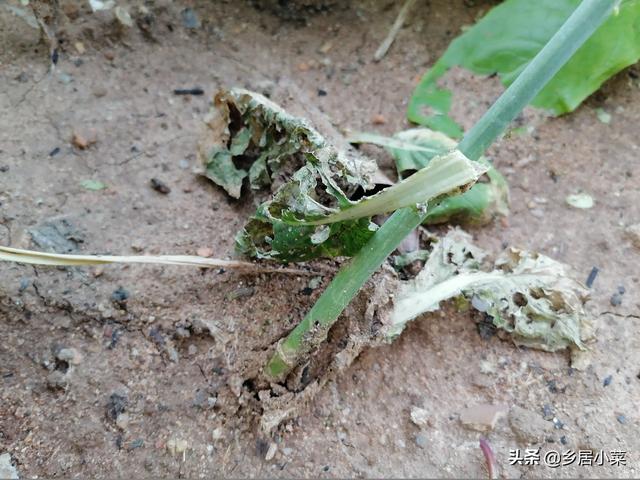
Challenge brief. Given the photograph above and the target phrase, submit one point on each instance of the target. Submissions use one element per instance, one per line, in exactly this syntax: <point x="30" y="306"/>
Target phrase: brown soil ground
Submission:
<point x="167" y="365"/>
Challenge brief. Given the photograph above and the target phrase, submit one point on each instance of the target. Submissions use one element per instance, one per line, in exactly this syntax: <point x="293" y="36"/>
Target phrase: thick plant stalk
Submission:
<point x="574" y="32"/>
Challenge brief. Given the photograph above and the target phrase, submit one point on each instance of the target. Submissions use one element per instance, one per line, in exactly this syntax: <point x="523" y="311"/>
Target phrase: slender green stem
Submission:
<point x="573" y="33"/>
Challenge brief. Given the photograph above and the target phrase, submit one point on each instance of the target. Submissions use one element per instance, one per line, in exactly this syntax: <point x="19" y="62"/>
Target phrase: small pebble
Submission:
<point x="557" y="423"/>
<point x="632" y="232"/>
<point x="177" y="445"/>
<point x="419" y="416"/>
<point x="99" y="92"/>
<point x="58" y="380"/>
<point x="547" y="412"/>
<point x="120" y="295"/>
<point x="607" y="381"/>
<point x="273" y="448"/>
<point x="325" y="47"/>
<point x="615" y="300"/>
<point x="122" y="422"/>
<point x="322" y="93"/>
<point x="190" y="18"/>
<point x="70" y="355"/>
<point x="378" y="119"/>
<point x="22" y="77"/>
<point x="241" y="292"/>
<point x="116" y="406"/>
<point x="421" y="440"/>
<point x="54" y="152"/>
<point x="159" y="186"/>
<point x="65" y="78"/>
<point x="83" y="141"/>
<point x="205" y="252"/>
<point x="4" y="168"/>
<point x="24" y="284"/>
<point x="537" y="212"/>
<point x="621" y="419"/>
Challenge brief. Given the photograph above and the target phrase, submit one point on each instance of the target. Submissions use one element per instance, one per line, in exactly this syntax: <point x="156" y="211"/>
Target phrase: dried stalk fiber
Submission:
<point x="41" y="258"/>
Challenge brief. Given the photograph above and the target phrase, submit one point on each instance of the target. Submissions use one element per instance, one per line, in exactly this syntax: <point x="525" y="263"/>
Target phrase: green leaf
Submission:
<point x="413" y="149"/>
<point x="530" y="296"/>
<point x="221" y="169"/>
<point x="510" y="35"/>
<point x="313" y="183"/>
<point x="93" y="185"/>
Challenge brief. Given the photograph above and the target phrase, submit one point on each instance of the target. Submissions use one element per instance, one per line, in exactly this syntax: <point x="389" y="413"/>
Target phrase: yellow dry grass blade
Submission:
<point x="18" y="255"/>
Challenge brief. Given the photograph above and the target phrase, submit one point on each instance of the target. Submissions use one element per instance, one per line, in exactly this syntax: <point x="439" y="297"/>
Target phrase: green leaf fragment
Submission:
<point x="93" y="185"/>
<point x="603" y="116"/>
<point x="413" y="149"/>
<point x="510" y="35"/>
<point x="221" y="169"/>
<point x="528" y="295"/>
<point x="581" y="200"/>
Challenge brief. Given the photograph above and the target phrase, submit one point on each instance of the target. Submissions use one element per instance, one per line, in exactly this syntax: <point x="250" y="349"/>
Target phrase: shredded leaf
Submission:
<point x="529" y="295"/>
<point x="509" y="36"/>
<point x="311" y="212"/>
<point x="413" y="149"/>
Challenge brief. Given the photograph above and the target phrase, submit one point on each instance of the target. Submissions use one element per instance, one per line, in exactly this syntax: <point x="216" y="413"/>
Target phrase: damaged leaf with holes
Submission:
<point x="251" y="141"/>
<point x="530" y="296"/>
<point x="319" y="205"/>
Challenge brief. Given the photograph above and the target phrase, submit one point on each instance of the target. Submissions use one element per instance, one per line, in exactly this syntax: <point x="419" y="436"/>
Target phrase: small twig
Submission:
<point x="188" y="91"/>
<point x="623" y="315"/>
<point x="397" y="25"/>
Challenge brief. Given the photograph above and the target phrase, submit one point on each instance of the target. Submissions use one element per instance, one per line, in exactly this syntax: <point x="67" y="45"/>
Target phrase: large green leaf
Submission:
<point x="509" y="36"/>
